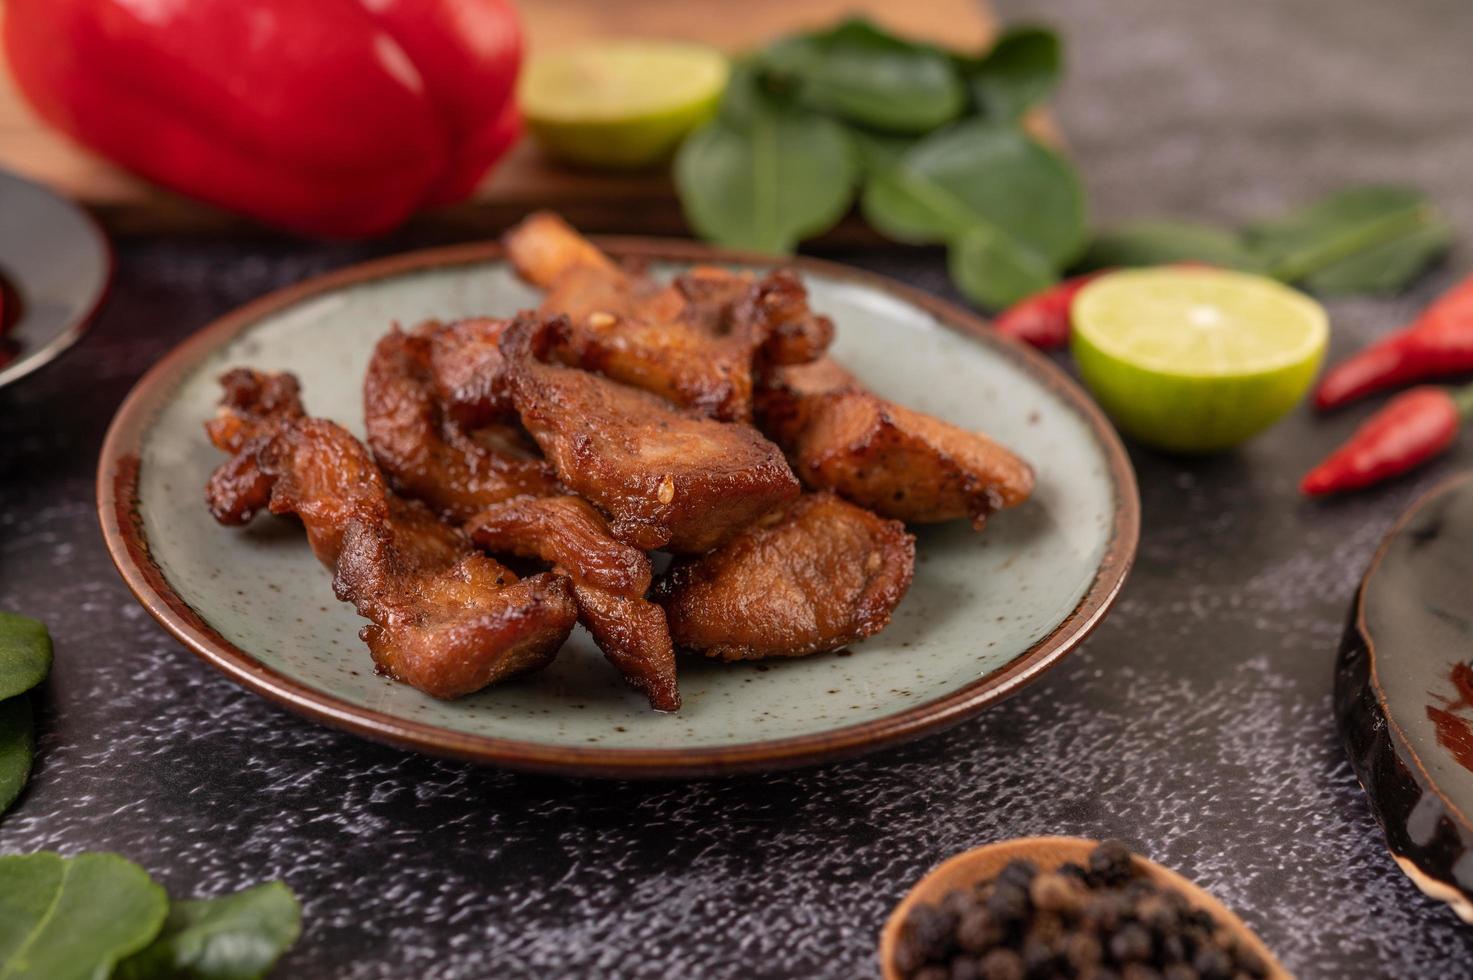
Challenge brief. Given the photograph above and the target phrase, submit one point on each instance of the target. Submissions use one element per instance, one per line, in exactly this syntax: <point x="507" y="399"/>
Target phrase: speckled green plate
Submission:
<point x="987" y="613"/>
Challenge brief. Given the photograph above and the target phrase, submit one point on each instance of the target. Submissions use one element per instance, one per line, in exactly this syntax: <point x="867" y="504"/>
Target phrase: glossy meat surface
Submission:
<point x="567" y="532"/>
<point x="610" y="580"/>
<point x="443" y="617"/>
<point x="466" y="368"/>
<point x="425" y="454"/>
<point x="813" y="576"/>
<point x="695" y="342"/>
<point x="665" y="478"/>
<point x="544" y="246"/>
<point x="898" y="462"/>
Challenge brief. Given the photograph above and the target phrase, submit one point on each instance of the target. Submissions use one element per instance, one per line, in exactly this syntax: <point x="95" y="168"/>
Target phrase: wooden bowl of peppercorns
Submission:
<point x="1041" y="907"/>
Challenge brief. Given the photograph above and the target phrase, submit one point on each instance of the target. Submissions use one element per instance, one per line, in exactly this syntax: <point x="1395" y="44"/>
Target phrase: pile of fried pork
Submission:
<point x="699" y="417"/>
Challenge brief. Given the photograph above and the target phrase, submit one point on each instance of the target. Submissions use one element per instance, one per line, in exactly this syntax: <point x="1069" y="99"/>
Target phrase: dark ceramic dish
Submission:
<point x="55" y="266"/>
<point x="1404" y="691"/>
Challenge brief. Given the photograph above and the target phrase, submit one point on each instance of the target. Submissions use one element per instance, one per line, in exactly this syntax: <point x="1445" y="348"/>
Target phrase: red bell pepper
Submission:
<point x="1437" y="343"/>
<point x="330" y="117"/>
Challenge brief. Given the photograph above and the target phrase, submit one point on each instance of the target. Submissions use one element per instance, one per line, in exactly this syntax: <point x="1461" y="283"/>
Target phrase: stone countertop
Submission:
<point x="1196" y="724"/>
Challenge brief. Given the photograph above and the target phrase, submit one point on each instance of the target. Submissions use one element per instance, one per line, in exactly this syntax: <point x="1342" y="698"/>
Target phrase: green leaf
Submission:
<point x="1022" y="69"/>
<point x="993" y="270"/>
<point x="234" y="937"/>
<point x="1340" y="228"/>
<point x="860" y="73"/>
<point x="25" y="654"/>
<point x="17" y="748"/>
<point x="1159" y="242"/>
<point x="879" y="152"/>
<point x="1385" y="268"/>
<point x="74" y="918"/>
<point x="980" y="172"/>
<point x="766" y="183"/>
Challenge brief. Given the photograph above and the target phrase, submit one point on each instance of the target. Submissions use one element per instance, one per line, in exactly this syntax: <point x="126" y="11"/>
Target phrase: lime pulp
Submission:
<point x="1196" y="360"/>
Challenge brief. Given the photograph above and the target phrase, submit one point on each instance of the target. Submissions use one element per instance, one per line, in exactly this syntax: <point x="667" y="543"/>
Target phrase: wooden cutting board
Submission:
<point x="524" y="181"/>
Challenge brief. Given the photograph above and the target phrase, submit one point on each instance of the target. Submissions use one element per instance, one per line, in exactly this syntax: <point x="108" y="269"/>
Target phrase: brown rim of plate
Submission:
<point x="1408" y="750"/>
<point x="117" y="486"/>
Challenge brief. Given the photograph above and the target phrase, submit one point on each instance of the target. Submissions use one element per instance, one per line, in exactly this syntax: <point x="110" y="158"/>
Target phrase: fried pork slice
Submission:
<point x="812" y="576"/>
<point x="695" y="342"/>
<point x="708" y="363"/>
<point x="610" y="580"/>
<point x="444" y="618"/>
<point x="254" y="403"/>
<point x="665" y="478"/>
<point x="568" y="533"/>
<point x="468" y="372"/>
<point x="428" y="456"/>
<point x="897" y="462"/>
<point x="544" y="246"/>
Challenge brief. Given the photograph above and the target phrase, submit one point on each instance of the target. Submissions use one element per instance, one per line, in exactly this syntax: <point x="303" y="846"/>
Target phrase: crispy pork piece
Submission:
<point x="544" y="246"/>
<point x="610" y="580"/>
<point x="665" y="478"/>
<point x="897" y="462"/>
<point x="812" y="576"/>
<point x="712" y="375"/>
<point x="254" y="404"/>
<point x="443" y="617"/>
<point x="428" y="456"/>
<point x="467" y="370"/>
<point x="568" y="533"/>
<point x="695" y="342"/>
<point x="633" y="635"/>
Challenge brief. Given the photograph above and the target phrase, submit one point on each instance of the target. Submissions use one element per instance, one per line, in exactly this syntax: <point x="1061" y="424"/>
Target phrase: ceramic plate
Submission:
<point x="1404" y="692"/>
<point x="55" y="264"/>
<point x="987" y="613"/>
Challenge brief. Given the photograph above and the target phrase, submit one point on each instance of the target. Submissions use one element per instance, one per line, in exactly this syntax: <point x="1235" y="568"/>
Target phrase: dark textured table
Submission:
<point x="1196" y="724"/>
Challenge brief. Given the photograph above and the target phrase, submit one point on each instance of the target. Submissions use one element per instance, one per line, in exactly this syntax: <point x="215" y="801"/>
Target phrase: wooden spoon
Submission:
<point x="1048" y="854"/>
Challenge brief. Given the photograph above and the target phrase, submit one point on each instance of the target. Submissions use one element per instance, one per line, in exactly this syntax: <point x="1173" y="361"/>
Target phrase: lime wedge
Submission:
<point x="1196" y="360"/>
<point x="620" y="104"/>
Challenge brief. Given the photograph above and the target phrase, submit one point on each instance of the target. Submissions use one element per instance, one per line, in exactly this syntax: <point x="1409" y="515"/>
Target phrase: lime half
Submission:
<point x="620" y="104"/>
<point x="1196" y="360"/>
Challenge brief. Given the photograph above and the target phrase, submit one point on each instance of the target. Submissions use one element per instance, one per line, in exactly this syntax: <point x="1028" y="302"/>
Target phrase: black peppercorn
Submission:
<point x="1020" y="873"/>
<point x="1008" y="903"/>
<point x="1107" y="921"/>
<point x="1109" y="864"/>
<point x="1002" y="964"/>
<point x="931" y="929"/>
<point x="1130" y="943"/>
<point x="965" y="968"/>
<point x="1213" y="963"/>
<point x="978" y="931"/>
<point x="1083" y="951"/>
<point x="1054" y="893"/>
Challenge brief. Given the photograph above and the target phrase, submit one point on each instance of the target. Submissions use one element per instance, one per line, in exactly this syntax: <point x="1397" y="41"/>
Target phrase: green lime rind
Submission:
<point x="1169" y="388"/>
<point x="621" y="105"/>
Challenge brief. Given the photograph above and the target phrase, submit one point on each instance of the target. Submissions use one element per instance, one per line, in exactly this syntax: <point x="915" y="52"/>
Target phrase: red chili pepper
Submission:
<point x="1413" y="427"/>
<point x="1437" y="343"/>
<point x="335" y="117"/>
<point x="1043" y="318"/>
